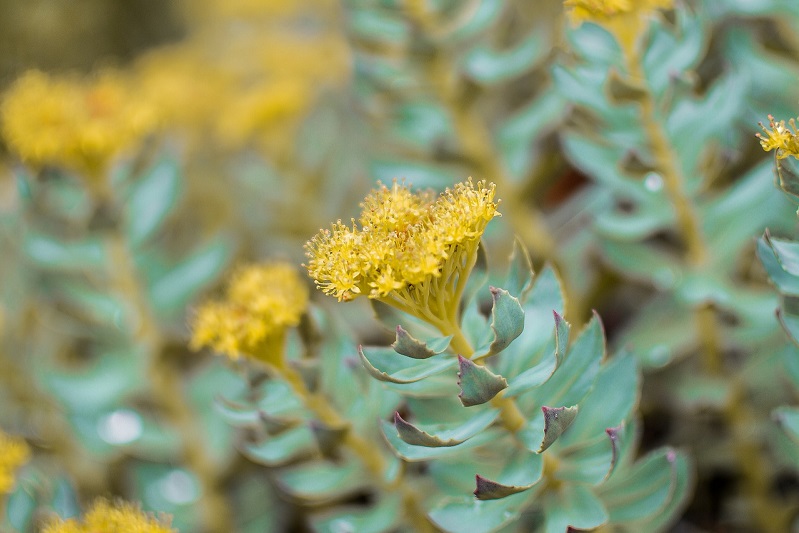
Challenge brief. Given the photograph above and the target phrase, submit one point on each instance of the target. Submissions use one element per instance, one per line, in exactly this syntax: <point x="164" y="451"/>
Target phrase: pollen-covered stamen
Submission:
<point x="777" y="136"/>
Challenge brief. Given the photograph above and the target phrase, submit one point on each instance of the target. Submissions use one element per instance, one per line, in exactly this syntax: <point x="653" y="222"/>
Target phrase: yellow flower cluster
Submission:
<point x="260" y="303"/>
<point x="780" y="138"/>
<point x="603" y="10"/>
<point x="14" y="452"/>
<point x="261" y="66"/>
<point x="412" y="250"/>
<point x="106" y="517"/>
<point x="78" y="123"/>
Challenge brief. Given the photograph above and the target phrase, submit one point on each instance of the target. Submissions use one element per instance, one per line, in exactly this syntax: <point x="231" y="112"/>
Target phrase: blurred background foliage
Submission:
<point x="150" y="147"/>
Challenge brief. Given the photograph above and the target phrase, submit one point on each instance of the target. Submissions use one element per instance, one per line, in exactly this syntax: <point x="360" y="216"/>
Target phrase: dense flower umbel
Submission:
<point x="81" y="124"/>
<point x="105" y="517"/>
<point x="260" y="303"/>
<point x="412" y="251"/>
<point x="14" y="452"/>
<point x="778" y="137"/>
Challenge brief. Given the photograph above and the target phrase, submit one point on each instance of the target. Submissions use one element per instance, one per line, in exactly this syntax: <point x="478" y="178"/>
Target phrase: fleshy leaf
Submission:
<point x="457" y="515"/>
<point x="322" y="481"/>
<point x="643" y="489"/>
<point x="573" y="506"/>
<point x="576" y="375"/>
<point x="521" y="473"/>
<point x="281" y="448"/>
<point x="444" y="437"/>
<point x="786" y="282"/>
<point x="478" y="384"/>
<point x="519" y="280"/>
<point x="151" y="199"/>
<point x="384" y="516"/>
<point x="408" y="346"/>
<point x="556" y="421"/>
<point x="507" y="322"/>
<point x="411" y="453"/>
<point x="385" y="364"/>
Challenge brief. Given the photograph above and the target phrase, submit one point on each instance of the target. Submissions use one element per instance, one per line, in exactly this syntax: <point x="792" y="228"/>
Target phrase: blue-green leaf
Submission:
<point x="556" y="421"/>
<point x="574" y="506"/>
<point x="442" y="435"/>
<point x="322" y="481"/>
<point x="151" y="199"/>
<point x="171" y="292"/>
<point x="478" y="384"/>
<point x="521" y="472"/>
<point x="281" y="448"/>
<point x="476" y="516"/>
<point x="576" y="375"/>
<point x="385" y="364"/>
<point x="409" y="452"/>
<point x="410" y="347"/>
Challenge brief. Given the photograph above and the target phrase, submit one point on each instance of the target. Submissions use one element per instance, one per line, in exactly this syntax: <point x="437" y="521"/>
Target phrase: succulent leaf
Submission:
<point x="411" y="453"/>
<point x="477" y="383"/>
<point x="556" y="421"/>
<point x="408" y="346"/>
<point x="522" y="471"/>
<point x="282" y="448"/>
<point x="385" y="364"/>
<point x="443" y="436"/>
<point x="507" y="322"/>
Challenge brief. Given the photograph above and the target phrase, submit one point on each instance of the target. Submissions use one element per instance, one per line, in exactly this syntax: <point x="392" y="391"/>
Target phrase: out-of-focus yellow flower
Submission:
<point x="82" y="124"/>
<point x="248" y="72"/>
<point x="14" y="452"/>
<point x="413" y="251"/>
<point x="260" y="303"/>
<point x="106" y="517"/>
<point x="780" y="138"/>
<point x="624" y="18"/>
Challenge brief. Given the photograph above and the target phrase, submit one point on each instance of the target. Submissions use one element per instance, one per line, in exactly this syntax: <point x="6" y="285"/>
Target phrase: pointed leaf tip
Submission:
<point x="556" y="421"/>
<point x="507" y="321"/>
<point x="491" y="490"/>
<point x="477" y="383"/>
<point x="408" y="346"/>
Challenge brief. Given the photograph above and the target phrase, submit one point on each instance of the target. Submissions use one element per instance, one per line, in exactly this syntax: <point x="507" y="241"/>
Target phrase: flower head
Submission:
<point x="780" y="138"/>
<point x="412" y="250"/>
<point x="14" y="452"/>
<point x="106" y="517"/>
<point x="260" y="303"/>
<point x="81" y="124"/>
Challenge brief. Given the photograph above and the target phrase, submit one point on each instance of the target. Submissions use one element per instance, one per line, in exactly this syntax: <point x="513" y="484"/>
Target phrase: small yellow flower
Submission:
<point x="412" y="251"/>
<point x="81" y="124"/>
<point x="780" y="138"/>
<point x="106" y="517"/>
<point x="14" y="452"/>
<point x="260" y="303"/>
